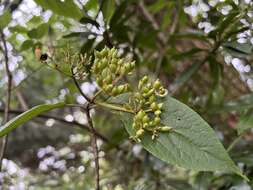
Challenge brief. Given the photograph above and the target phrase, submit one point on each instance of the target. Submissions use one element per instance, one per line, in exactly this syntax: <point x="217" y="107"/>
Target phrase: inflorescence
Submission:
<point x="109" y="68"/>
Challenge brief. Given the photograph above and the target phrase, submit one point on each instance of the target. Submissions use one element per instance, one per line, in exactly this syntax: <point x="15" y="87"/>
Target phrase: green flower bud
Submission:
<point x="103" y="64"/>
<point x="158" y="112"/>
<point x="140" y="132"/>
<point x="115" y="91"/>
<point x="149" y="85"/>
<point x="104" y="73"/>
<point x="160" y="105"/>
<point x="114" y="61"/>
<point x="113" y="68"/>
<point x="151" y="99"/>
<point x="154" y="106"/>
<point x="157" y="120"/>
<point x="140" y="115"/>
<point x="120" y="62"/>
<point x="165" y="129"/>
<point x="123" y="70"/>
<point x="157" y="84"/>
<point x="145" y="125"/>
<point x="108" y="79"/>
<point x="120" y="89"/>
<point x="104" y="52"/>
<point x="144" y="79"/>
<point x="145" y="90"/>
<point x="145" y="119"/>
<point x="97" y="54"/>
<point x="149" y="93"/>
<point x="108" y="88"/>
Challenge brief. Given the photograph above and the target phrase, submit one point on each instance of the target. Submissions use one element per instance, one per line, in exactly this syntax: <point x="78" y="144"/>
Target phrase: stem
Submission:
<point x="231" y="146"/>
<point x="96" y="95"/>
<point x="114" y="107"/>
<point x="7" y="104"/>
<point x="78" y="86"/>
<point x="94" y="146"/>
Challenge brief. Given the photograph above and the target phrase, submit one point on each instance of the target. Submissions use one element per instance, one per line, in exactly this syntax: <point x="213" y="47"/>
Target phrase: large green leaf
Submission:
<point x="26" y="116"/>
<point x="192" y="144"/>
<point x="65" y="8"/>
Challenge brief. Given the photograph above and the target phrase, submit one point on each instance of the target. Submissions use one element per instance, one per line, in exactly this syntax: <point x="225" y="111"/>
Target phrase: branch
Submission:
<point x="78" y="86"/>
<point x="94" y="146"/>
<point x="8" y="98"/>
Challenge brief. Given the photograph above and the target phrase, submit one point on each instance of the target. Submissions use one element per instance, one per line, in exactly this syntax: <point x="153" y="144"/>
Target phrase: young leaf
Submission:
<point x="26" y="116"/>
<point x="191" y="144"/>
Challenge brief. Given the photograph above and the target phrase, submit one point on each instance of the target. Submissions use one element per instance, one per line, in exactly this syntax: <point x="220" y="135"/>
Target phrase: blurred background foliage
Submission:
<point x="201" y="50"/>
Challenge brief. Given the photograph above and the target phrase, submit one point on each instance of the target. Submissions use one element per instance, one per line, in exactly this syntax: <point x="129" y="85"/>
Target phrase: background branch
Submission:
<point x="8" y="98"/>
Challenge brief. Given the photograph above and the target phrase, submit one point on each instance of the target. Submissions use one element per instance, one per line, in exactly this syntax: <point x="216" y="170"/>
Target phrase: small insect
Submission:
<point x="43" y="57"/>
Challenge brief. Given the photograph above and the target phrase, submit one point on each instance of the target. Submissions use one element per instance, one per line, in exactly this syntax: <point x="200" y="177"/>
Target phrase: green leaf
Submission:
<point x="108" y="7"/>
<point x="65" y="8"/>
<point x="186" y="55"/>
<point x="5" y="19"/>
<point x="237" y="49"/>
<point x="188" y="73"/>
<point x="245" y="122"/>
<point x="26" y="116"/>
<point x="18" y="29"/>
<point x="26" y="45"/>
<point x="158" y="6"/>
<point x="38" y="32"/>
<point x="92" y="5"/>
<point x="191" y="144"/>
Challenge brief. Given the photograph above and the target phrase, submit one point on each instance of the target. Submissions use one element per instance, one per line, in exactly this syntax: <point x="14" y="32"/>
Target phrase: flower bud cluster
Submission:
<point x="81" y="66"/>
<point x="109" y="68"/>
<point x="149" y="115"/>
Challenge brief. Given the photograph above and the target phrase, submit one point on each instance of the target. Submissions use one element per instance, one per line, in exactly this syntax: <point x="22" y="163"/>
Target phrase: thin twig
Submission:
<point x="94" y="146"/>
<point x="8" y="98"/>
<point x="78" y="87"/>
<point x="93" y="131"/>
